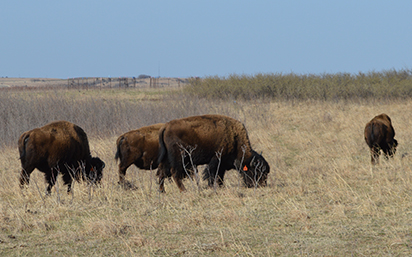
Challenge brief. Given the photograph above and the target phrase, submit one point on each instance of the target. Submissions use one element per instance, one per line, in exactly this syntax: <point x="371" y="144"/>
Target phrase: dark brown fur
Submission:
<point x="209" y="136"/>
<point x="139" y="147"/>
<point x="379" y="135"/>
<point x="62" y="147"/>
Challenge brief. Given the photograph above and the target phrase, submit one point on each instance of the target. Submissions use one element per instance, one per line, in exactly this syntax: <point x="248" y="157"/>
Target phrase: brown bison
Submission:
<point x="139" y="147"/>
<point x="379" y="135"/>
<point x="62" y="147"/>
<point x="218" y="141"/>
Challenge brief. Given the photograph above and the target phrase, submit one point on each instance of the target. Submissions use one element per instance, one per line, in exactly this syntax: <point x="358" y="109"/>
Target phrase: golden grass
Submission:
<point x="323" y="197"/>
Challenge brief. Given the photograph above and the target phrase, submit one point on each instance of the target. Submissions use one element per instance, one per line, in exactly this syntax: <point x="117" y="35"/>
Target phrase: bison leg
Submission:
<point x="122" y="172"/>
<point x="161" y="174"/>
<point x="220" y="176"/>
<point x="179" y="183"/>
<point x="51" y="177"/>
<point x="375" y="155"/>
<point x="391" y="152"/>
<point x="162" y="185"/>
<point x="385" y="153"/>
<point x="215" y="176"/>
<point x="25" y="176"/>
<point x="68" y="180"/>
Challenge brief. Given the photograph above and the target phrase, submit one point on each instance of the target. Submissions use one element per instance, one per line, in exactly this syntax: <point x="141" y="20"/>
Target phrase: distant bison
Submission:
<point x="379" y="135"/>
<point x="62" y="147"/>
<point x="218" y="141"/>
<point x="139" y="147"/>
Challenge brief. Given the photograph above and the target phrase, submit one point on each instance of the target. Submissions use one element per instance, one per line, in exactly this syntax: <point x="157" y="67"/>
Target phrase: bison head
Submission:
<point x="95" y="173"/>
<point x="392" y="149"/>
<point x="255" y="171"/>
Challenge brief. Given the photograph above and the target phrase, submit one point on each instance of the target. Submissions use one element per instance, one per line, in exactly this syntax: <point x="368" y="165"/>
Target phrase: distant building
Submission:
<point x="142" y="76"/>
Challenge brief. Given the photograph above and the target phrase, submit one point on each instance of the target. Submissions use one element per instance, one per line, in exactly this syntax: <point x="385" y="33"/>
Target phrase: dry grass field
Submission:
<point x="145" y="82"/>
<point x="323" y="197"/>
<point x="30" y="82"/>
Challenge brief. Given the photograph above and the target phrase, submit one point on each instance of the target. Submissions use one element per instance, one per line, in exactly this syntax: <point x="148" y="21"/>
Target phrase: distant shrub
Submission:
<point x="378" y="85"/>
<point x="100" y="112"/>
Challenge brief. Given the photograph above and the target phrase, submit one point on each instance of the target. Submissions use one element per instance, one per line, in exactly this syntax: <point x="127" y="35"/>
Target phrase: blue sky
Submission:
<point x="90" y="38"/>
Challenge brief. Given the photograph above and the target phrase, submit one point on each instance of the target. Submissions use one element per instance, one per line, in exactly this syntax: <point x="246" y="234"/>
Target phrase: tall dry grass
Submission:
<point x="99" y="112"/>
<point x="390" y="84"/>
<point x="323" y="197"/>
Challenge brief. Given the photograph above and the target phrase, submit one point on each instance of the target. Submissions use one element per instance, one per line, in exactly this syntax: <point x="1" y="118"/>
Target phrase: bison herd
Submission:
<point x="174" y="148"/>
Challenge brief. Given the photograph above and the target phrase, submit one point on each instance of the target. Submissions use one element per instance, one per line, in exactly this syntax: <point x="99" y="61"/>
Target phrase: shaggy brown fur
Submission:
<point x="62" y="147"/>
<point x="139" y="147"/>
<point x="216" y="140"/>
<point x="379" y="135"/>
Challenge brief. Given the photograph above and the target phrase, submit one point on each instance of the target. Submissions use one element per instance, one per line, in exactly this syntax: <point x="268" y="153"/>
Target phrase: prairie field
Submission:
<point x="323" y="197"/>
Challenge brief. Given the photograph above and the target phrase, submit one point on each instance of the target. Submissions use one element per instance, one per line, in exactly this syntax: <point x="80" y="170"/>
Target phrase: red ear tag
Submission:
<point x="245" y="168"/>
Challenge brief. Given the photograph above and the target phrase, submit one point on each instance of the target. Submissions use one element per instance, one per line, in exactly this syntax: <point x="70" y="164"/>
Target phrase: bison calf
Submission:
<point x="62" y="147"/>
<point x="139" y="147"/>
<point x="218" y="141"/>
<point x="379" y="135"/>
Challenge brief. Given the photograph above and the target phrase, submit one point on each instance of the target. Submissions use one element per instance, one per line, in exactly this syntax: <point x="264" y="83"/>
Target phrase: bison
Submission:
<point x="62" y="147"/>
<point x="379" y="135"/>
<point x="139" y="147"/>
<point x="219" y="141"/>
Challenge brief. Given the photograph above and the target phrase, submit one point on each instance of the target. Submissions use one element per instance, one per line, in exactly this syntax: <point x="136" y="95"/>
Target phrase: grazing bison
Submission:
<point x="62" y="147"/>
<point x="139" y="147"/>
<point x="218" y="141"/>
<point x="379" y="135"/>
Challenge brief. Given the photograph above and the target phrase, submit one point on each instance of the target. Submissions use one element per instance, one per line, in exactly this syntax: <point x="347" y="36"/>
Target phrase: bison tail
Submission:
<point x="372" y="134"/>
<point x="162" y="149"/>
<point x="369" y="135"/>
<point x="23" y="145"/>
<point x="118" y="151"/>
